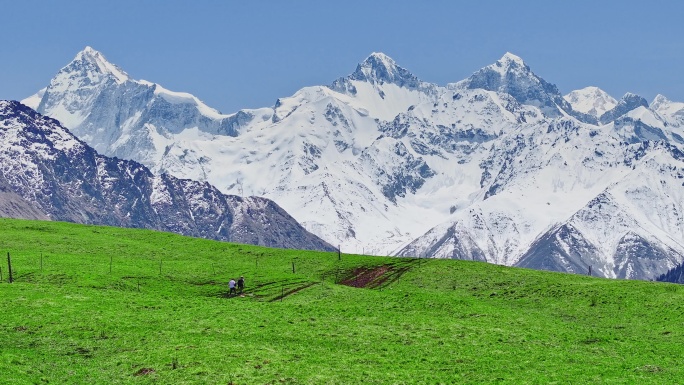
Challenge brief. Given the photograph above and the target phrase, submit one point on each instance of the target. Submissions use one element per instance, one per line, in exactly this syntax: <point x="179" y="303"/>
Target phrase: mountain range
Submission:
<point x="498" y="167"/>
<point x="48" y="173"/>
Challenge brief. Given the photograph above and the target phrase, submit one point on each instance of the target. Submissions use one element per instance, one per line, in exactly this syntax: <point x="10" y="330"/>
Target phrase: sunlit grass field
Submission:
<point x="102" y="305"/>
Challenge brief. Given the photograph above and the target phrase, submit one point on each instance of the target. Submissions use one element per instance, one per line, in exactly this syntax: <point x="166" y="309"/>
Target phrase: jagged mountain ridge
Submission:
<point x="62" y="178"/>
<point x="379" y="157"/>
<point x="541" y="200"/>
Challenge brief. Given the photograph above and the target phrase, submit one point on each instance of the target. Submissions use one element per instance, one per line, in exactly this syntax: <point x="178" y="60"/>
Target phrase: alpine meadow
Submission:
<point x="105" y="305"/>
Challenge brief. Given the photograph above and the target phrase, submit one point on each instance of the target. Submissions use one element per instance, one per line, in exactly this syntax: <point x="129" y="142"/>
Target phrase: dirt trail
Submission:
<point x="373" y="277"/>
<point x="289" y="292"/>
<point x="265" y="290"/>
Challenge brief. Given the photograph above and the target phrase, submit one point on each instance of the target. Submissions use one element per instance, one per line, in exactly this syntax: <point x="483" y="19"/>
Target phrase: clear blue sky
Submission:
<point x="246" y="54"/>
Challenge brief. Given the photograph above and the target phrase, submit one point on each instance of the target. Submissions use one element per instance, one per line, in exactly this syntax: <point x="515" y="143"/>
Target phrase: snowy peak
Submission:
<point x="665" y="107"/>
<point x="76" y="87"/>
<point x="372" y="162"/>
<point x="123" y="117"/>
<point x="626" y="104"/>
<point x="633" y="99"/>
<point x="505" y="74"/>
<point x="378" y="60"/>
<point x="510" y="57"/>
<point x="380" y="68"/>
<point x="90" y="60"/>
<point x="591" y="100"/>
<point x="659" y="101"/>
<point x="512" y="76"/>
<point x="383" y="89"/>
<point x="510" y="62"/>
<point x="377" y="69"/>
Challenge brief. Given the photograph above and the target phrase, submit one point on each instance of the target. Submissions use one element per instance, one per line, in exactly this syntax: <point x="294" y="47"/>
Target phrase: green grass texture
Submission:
<point x="104" y="305"/>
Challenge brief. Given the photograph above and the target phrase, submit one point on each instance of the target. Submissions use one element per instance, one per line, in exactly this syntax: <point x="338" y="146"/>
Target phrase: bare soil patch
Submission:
<point x="144" y="372"/>
<point x="372" y="277"/>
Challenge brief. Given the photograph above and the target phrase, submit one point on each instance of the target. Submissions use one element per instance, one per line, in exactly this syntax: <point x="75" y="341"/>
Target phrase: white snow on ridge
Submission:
<point x="591" y="100"/>
<point x="646" y="116"/>
<point x="174" y="97"/>
<point x="378" y="102"/>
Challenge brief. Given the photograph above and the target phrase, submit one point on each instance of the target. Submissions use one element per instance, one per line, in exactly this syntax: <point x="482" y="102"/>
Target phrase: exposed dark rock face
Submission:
<point x="674" y="275"/>
<point x="562" y="249"/>
<point x="406" y="173"/>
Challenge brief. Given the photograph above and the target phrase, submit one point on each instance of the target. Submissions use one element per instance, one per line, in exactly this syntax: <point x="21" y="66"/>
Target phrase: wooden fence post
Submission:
<point x="9" y="267"/>
<point x="293" y="267"/>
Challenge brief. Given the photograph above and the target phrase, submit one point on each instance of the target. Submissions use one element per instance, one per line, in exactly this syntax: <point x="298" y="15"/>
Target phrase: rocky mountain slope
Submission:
<point x="46" y="172"/>
<point x="674" y="275"/>
<point x="499" y="167"/>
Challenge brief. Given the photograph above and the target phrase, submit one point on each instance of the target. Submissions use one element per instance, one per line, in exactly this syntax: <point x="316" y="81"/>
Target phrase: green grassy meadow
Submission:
<point x="162" y="316"/>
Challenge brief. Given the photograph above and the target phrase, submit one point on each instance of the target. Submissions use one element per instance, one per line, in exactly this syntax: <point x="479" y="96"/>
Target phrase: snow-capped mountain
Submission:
<point x="567" y="196"/>
<point x="498" y="167"/>
<point x="49" y="173"/>
<point x="671" y="113"/>
<point x="510" y="75"/>
<point x="591" y="100"/>
<point x="626" y="104"/>
<point x="313" y="152"/>
<point x="119" y="116"/>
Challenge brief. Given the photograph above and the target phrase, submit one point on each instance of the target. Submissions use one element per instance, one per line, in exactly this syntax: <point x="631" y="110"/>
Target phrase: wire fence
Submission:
<point x="269" y="275"/>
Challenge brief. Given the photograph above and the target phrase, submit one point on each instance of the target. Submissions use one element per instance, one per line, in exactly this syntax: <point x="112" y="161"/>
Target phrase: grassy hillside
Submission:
<point x="162" y="316"/>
